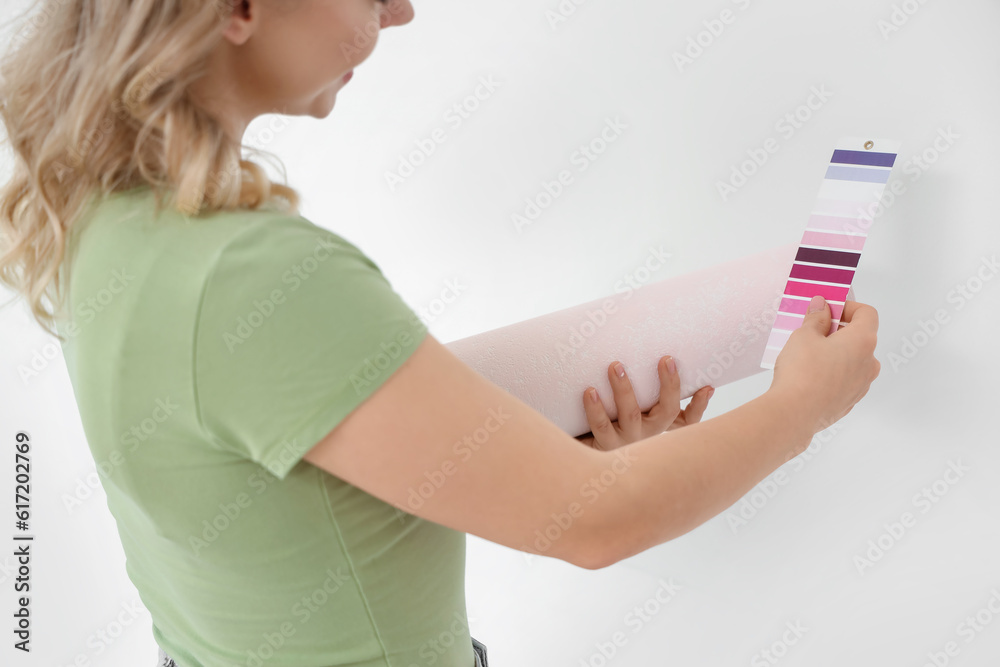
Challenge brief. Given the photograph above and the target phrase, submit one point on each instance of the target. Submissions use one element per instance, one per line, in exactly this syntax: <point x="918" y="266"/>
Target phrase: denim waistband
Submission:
<point x="480" y="650"/>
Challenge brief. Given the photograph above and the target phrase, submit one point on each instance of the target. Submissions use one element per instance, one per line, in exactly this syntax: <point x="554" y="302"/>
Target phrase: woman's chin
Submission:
<point x="323" y="104"/>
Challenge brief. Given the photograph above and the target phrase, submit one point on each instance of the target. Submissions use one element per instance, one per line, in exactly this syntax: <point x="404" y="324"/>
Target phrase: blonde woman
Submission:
<point x="262" y="403"/>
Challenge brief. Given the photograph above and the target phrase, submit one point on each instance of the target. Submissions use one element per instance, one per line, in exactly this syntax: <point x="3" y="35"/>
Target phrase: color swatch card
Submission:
<point x="831" y="245"/>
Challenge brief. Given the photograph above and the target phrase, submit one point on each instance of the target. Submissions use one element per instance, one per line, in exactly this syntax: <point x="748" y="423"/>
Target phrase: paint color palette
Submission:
<point x="830" y="249"/>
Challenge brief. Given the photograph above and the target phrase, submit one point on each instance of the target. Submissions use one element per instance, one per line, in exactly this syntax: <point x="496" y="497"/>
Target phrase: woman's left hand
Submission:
<point x="633" y="424"/>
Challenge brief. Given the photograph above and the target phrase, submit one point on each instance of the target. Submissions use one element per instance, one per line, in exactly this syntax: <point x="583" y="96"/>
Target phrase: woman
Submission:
<point x="262" y="405"/>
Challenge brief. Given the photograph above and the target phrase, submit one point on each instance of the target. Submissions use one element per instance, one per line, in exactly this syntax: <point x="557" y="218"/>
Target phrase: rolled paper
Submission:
<point x="714" y="323"/>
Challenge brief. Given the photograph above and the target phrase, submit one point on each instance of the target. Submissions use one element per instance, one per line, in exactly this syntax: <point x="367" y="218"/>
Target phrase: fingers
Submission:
<point x="632" y="425"/>
<point x="629" y="413"/>
<point x="605" y="435"/>
<point x="696" y="408"/>
<point x="861" y="314"/>
<point x="668" y="406"/>
<point x="848" y="311"/>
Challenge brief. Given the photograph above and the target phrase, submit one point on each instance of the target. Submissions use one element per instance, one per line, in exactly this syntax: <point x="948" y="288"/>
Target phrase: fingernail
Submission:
<point x="711" y="391"/>
<point x="619" y="370"/>
<point x="592" y="393"/>
<point x="816" y="304"/>
<point x="671" y="366"/>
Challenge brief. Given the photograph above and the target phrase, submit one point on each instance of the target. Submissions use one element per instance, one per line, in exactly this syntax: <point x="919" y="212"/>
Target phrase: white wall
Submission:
<point x="795" y="560"/>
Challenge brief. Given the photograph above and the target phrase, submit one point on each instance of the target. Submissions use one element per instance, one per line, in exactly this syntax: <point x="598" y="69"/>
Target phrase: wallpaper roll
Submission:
<point x="714" y="322"/>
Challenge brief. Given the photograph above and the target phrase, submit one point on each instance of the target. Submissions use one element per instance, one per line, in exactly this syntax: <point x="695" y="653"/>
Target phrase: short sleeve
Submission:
<point x="296" y="328"/>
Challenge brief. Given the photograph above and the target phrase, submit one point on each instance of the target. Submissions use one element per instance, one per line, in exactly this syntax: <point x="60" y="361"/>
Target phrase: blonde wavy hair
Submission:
<point x="95" y="99"/>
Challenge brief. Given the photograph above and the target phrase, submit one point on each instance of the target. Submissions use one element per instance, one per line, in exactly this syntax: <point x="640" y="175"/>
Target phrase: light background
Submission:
<point x="794" y="561"/>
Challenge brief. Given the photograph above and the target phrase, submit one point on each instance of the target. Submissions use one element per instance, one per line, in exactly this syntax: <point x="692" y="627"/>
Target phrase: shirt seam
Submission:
<point x="197" y="327"/>
<point x="268" y="458"/>
<point x="350" y="563"/>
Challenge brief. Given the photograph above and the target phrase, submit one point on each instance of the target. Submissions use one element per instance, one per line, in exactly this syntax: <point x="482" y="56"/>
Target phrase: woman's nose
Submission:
<point x="396" y="12"/>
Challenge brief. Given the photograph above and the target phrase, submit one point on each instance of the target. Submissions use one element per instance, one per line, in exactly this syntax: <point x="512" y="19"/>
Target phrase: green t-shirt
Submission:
<point x="207" y="355"/>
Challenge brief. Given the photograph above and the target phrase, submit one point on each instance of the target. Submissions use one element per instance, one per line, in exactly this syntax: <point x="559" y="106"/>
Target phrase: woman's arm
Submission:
<point x="441" y="442"/>
<point x="686" y="477"/>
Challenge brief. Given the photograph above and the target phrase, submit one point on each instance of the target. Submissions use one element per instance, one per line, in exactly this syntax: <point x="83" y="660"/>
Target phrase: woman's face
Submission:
<point x="293" y="56"/>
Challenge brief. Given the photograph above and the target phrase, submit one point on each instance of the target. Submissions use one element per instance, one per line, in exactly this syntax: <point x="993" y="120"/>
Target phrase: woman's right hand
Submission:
<point x="825" y="374"/>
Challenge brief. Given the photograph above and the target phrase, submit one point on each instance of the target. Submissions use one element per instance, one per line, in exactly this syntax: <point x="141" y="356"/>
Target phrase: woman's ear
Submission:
<point x="242" y="22"/>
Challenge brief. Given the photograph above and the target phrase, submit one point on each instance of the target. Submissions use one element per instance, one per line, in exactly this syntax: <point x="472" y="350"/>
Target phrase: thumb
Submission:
<point x="818" y="316"/>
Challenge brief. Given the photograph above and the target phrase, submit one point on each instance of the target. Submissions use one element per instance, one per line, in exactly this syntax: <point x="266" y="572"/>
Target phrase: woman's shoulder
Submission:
<point x="134" y="215"/>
